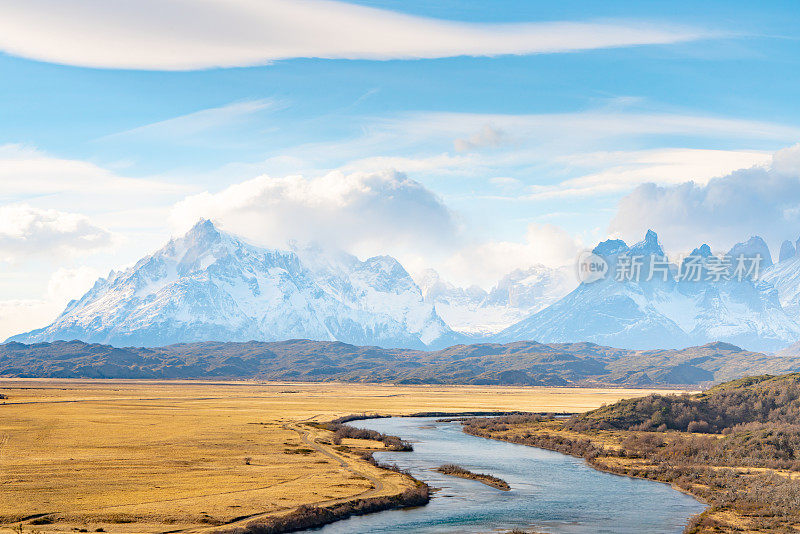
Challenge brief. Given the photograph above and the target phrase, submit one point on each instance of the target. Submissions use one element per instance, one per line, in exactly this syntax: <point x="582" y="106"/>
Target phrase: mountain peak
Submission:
<point x="703" y="251"/>
<point x="649" y="246"/>
<point x="610" y="247"/>
<point x="755" y="246"/>
<point x="203" y="227"/>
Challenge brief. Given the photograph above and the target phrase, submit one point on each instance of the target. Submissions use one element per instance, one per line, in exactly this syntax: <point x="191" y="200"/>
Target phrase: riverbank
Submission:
<point x="748" y="474"/>
<point x="550" y="492"/>
<point x="306" y="517"/>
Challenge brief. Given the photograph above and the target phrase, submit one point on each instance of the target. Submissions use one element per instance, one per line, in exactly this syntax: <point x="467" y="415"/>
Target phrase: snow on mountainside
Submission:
<point x="477" y="312"/>
<point x="785" y="277"/>
<point x="209" y="285"/>
<point x="665" y="311"/>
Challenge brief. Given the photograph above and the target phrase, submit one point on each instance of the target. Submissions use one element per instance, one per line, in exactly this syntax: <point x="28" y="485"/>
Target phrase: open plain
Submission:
<point x="158" y="456"/>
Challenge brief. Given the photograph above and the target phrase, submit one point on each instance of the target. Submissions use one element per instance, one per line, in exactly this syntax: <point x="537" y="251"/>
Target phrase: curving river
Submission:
<point x="550" y="492"/>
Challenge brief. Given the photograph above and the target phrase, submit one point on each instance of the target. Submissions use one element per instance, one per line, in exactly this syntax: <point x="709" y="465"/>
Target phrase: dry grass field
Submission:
<point x="154" y="456"/>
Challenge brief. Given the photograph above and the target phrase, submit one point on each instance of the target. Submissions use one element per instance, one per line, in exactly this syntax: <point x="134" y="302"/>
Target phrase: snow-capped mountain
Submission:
<point x="476" y="312"/>
<point x="667" y="310"/>
<point x="785" y="278"/>
<point x="210" y="285"/>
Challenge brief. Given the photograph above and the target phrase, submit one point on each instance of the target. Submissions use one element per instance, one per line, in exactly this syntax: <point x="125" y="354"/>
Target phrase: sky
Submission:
<point x="474" y="137"/>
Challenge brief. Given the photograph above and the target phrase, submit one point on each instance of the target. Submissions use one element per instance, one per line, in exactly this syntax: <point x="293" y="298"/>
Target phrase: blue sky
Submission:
<point x="526" y="131"/>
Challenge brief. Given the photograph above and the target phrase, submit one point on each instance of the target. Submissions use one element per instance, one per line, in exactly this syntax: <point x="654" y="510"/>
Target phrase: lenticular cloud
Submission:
<point x="191" y="34"/>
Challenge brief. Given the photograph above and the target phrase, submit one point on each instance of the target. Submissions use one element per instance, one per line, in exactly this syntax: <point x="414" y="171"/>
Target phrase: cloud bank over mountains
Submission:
<point x="349" y="211"/>
<point x="186" y="35"/>
<point x="761" y="200"/>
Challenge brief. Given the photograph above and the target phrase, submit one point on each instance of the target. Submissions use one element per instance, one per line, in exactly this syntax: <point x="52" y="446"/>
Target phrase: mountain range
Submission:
<point x="479" y="313"/>
<point x="209" y="285"/>
<point x="668" y="311"/>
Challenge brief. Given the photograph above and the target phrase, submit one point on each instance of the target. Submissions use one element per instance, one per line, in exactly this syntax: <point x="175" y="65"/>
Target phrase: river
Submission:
<point x="550" y="492"/>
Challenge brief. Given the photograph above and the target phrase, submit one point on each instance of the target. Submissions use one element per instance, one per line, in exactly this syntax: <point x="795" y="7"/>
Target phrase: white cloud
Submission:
<point x="367" y="213"/>
<point x="485" y="263"/>
<point x="621" y="171"/>
<point x="27" y="232"/>
<point x="485" y="137"/>
<point x="26" y="171"/>
<point x="760" y="200"/>
<point x="71" y="283"/>
<point x="194" y="34"/>
<point x="23" y="315"/>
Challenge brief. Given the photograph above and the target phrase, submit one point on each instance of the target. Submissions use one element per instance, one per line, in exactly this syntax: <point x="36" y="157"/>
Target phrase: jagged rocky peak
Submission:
<point x="387" y="265"/>
<point x="788" y="251"/>
<point x="640" y="313"/>
<point x="753" y="247"/>
<point x="610" y="247"/>
<point x="650" y="246"/>
<point x="703" y="251"/>
<point x="203" y="229"/>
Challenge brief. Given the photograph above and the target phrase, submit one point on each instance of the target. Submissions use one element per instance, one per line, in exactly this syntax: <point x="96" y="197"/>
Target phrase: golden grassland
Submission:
<point x="157" y="456"/>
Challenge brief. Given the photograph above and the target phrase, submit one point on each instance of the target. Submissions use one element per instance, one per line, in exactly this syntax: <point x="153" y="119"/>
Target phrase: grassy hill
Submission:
<point x="520" y="363"/>
<point x="759" y="399"/>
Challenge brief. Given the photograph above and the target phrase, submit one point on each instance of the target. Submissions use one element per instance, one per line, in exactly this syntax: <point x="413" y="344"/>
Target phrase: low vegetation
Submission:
<point x="735" y="446"/>
<point x="454" y="470"/>
<point x="760" y="399"/>
<point x="342" y="431"/>
<point x="306" y="517"/>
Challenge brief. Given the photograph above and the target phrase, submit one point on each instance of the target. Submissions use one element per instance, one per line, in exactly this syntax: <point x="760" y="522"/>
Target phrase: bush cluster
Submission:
<point x="393" y="443"/>
<point x="306" y="517"/>
<point x="763" y="399"/>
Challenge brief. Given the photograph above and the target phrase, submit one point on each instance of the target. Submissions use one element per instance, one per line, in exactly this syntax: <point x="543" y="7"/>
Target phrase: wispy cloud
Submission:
<point x="556" y="155"/>
<point x="26" y="172"/>
<point x="199" y="121"/>
<point x="622" y="171"/>
<point x="189" y="34"/>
